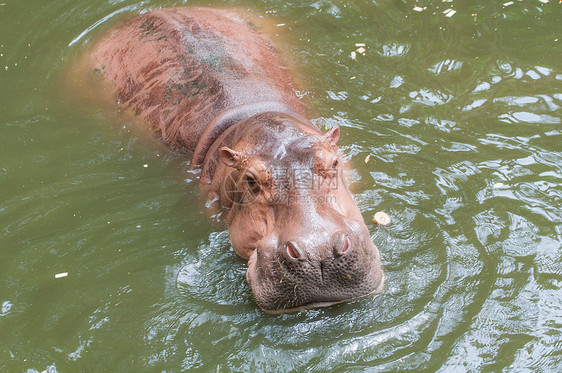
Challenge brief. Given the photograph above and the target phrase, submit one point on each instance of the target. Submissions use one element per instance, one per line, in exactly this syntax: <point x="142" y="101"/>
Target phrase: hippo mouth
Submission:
<point x="314" y="305"/>
<point x="253" y="281"/>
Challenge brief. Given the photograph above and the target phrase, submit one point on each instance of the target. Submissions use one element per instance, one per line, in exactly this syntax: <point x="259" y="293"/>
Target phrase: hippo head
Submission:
<point x="292" y="215"/>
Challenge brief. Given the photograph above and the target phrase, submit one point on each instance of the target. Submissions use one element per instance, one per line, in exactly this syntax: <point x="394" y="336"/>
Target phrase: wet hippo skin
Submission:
<point x="211" y="86"/>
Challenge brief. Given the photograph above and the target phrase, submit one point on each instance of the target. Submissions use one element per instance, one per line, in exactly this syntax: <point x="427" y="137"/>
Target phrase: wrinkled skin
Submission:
<point x="211" y="86"/>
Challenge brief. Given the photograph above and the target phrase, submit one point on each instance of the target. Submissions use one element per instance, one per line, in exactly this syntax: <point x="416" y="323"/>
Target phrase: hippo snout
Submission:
<point x="293" y="274"/>
<point x="296" y="249"/>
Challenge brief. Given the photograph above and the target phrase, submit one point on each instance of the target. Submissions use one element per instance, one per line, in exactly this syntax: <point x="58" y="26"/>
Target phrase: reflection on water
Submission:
<point x="453" y="127"/>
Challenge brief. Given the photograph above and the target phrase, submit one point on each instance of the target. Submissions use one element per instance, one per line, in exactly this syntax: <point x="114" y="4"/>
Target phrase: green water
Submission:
<point x="461" y="117"/>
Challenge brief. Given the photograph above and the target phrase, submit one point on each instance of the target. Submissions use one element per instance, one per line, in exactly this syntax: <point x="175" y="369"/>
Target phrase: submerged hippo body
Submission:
<point x="210" y="85"/>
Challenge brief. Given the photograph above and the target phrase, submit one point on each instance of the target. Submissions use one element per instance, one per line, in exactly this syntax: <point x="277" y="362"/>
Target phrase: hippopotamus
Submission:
<point x="210" y="85"/>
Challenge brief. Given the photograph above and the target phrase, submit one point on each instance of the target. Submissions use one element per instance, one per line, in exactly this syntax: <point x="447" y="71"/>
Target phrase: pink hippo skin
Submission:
<point x="211" y="86"/>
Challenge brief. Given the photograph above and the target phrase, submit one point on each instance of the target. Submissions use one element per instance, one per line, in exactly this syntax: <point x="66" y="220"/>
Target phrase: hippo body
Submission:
<point x="211" y="86"/>
<point x="190" y="73"/>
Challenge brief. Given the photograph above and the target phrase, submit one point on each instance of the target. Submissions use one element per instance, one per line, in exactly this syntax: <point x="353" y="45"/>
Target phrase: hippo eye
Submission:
<point x="335" y="164"/>
<point x="251" y="181"/>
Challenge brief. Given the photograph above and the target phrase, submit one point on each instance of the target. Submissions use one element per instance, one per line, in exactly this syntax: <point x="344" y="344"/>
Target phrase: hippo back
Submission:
<point x="180" y="69"/>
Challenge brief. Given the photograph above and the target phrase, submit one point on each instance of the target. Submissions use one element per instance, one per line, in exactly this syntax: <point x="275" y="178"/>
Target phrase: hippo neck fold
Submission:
<point x="230" y="117"/>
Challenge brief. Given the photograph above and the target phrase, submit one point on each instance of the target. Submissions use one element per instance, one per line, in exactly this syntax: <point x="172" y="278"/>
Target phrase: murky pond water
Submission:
<point x="452" y="121"/>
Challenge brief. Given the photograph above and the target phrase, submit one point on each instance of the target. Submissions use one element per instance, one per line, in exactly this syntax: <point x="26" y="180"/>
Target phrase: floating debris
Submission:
<point x="361" y="50"/>
<point x="280" y="25"/>
<point x="419" y="9"/>
<point x="449" y="12"/>
<point x="6" y="307"/>
<point x="498" y="185"/>
<point x="367" y="158"/>
<point x="508" y="3"/>
<point x="359" y="44"/>
<point x="381" y="218"/>
<point x="61" y="275"/>
<point x="145" y="165"/>
<point x="353" y="55"/>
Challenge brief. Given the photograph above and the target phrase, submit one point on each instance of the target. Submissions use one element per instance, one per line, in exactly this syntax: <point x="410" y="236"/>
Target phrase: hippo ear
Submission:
<point x="333" y="135"/>
<point x="230" y="157"/>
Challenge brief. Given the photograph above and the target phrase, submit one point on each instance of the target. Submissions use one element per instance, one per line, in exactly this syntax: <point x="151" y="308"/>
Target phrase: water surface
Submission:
<point x="459" y="117"/>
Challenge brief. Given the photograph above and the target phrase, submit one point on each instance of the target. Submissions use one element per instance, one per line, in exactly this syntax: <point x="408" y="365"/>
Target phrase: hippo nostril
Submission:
<point x="341" y="243"/>
<point x="292" y="251"/>
<point x="345" y="244"/>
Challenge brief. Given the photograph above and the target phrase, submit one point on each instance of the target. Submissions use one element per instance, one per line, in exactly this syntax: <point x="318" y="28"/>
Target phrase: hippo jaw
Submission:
<point x="283" y="282"/>
<point x="265" y="303"/>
